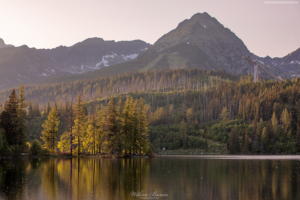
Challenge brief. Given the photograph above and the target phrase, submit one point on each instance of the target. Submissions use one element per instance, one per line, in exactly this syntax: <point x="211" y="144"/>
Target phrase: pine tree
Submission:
<point x="182" y="133"/>
<point x="30" y="110"/>
<point x="100" y="124"/>
<point x="128" y="124"/>
<point x="50" y="130"/>
<point x="112" y="128"/>
<point x="36" y="108"/>
<point x="70" y="113"/>
<point x="120" y="146"/>
<point x="48" y="108"/>
<point x="79" y="125"/>
<point x="11" y="108"/>
<point x="135" y="134"/>
<point x="142" y="127"/>
<point x="22" y="128"/>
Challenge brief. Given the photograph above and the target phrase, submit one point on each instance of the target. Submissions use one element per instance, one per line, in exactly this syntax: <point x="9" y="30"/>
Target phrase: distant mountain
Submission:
<point x="200" y="42"/>
<point x="30" y="65"/>
<point x="290" y="63"/>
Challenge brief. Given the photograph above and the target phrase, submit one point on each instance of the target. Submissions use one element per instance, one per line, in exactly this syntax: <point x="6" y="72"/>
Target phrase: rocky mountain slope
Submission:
<point x="290" y="64"/>
<point x="30" y="65"/>
<point x="201" y="42"/>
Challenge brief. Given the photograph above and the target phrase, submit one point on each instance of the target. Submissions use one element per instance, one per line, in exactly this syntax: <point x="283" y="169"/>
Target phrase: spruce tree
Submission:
<point x="36" y="108"/>
<point x="50" y="130"/>
<point x="100" y="125"/>
<point x="142" y="127"/>
<point x="22" y="128"/>
<point x="182" y="133"/>
<point x="128" y="124"/>
<point x="79" y="121"/>
<point x="30" y="110"/>
<point x="112" y="128"/>
<point x="11" y="108"/>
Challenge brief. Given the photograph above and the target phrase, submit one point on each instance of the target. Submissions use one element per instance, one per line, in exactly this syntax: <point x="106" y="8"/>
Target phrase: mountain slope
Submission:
<point x="290" y="63"/>
<point x="200" y="41"/>
<point x="30" y="65"/>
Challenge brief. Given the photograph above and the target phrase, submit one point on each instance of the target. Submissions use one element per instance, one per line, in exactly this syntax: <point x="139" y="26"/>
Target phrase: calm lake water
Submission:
<point x="204" y="177"/>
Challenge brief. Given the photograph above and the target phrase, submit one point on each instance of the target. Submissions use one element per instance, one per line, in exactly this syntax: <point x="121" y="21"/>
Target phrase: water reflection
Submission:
<point x="180" y="178"/>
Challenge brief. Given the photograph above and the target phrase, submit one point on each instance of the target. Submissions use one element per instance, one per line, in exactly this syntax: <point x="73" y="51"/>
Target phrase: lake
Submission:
<point x="163" y="177"/>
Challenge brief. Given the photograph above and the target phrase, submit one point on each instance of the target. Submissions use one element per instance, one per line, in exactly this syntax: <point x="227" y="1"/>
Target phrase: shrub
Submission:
<point x="45" y="151"/>
<point x="67" y="153"/>
<point x="36" y="148"/>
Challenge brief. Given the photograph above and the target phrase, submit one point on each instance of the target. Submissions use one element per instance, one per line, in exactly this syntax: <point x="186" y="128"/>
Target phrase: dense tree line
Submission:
<point x="13" y="128"/>
<point x="103" y="87"/>
<point x="178" y="105"/>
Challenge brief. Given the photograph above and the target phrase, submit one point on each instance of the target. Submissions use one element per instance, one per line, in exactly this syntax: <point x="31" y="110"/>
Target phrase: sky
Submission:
<point x="266" y="27"/>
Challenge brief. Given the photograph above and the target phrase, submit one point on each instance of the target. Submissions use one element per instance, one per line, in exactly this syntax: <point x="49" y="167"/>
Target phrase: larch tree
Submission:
<point x="64" y="142"/>
<point x="224" y="114"/>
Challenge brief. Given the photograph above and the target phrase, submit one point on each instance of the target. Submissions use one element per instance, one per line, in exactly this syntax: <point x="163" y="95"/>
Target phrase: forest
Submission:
<point x="181" y="109"/>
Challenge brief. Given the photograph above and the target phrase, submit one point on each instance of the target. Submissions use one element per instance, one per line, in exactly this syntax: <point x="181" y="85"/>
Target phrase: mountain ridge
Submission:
<point x="31" y="65"/>
<point x="199" y="42"/>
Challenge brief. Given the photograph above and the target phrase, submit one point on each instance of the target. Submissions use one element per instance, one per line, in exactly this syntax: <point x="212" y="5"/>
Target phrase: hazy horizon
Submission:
<point x="265" y="28"/>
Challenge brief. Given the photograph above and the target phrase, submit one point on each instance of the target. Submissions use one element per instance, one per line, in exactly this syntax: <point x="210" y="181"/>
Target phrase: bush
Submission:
<point x="45" y="152"/>
<point x="291" y="147"/>
<point x="16" y="150"/>
<point x="36" y="148"/>
<point x="67" y="153"/>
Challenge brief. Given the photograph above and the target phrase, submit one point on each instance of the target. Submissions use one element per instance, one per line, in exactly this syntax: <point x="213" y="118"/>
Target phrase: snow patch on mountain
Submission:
<point x="130" y="57"/>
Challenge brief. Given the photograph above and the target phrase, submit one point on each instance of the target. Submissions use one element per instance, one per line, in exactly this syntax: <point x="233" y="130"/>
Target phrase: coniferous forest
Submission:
<point x="143" y="112"/>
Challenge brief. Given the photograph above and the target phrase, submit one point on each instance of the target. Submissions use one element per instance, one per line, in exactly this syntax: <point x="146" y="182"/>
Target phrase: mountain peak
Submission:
<point x="2" y="42"/>
<point x="204" y="15"/>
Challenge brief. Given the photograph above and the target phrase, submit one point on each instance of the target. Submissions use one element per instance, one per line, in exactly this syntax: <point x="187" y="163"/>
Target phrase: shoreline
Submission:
<point x="238" y="157"/>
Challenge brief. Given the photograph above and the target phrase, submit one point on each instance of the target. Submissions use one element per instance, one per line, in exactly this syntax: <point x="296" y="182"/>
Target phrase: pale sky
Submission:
<point x="266" y="29"/>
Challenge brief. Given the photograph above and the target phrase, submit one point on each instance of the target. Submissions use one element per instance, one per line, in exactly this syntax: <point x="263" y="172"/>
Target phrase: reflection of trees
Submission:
<point x="49" y="178"/>
<point x="181" y="178"/>
<point x="12" y="178"/>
